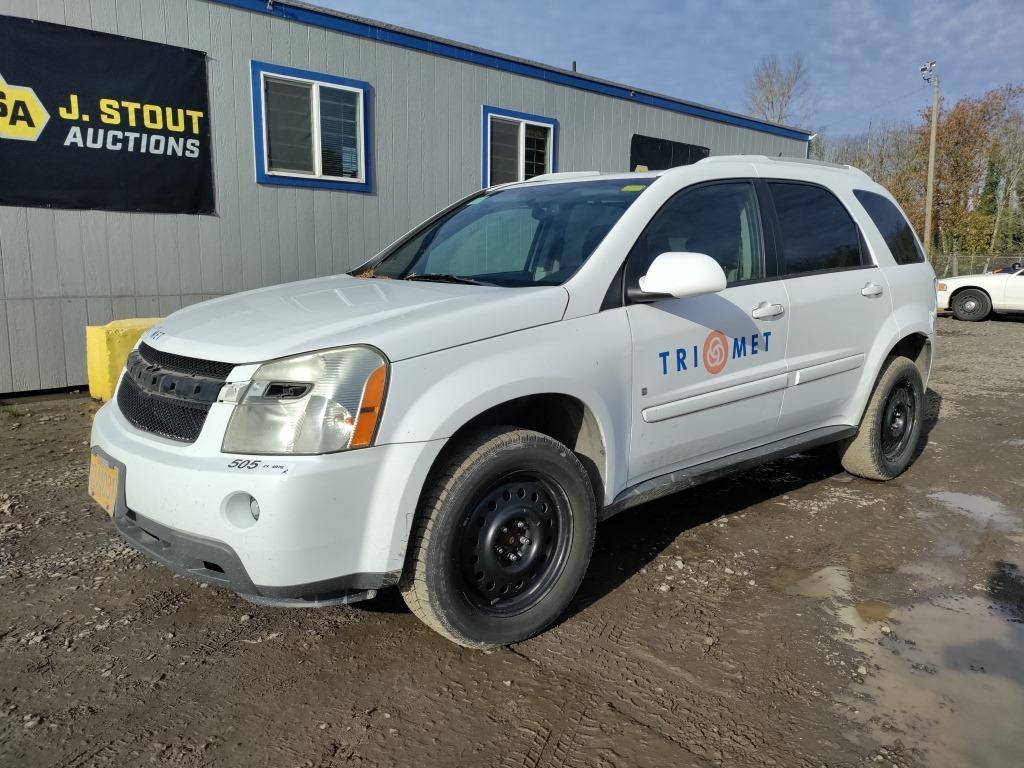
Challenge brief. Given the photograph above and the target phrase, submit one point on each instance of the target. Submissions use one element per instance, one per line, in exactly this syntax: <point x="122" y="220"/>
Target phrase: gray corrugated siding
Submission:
<point x="61" y="270"/>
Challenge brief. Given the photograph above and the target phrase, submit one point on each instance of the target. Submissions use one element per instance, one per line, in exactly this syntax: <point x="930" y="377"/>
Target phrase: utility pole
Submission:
<point x="930" y="76"/>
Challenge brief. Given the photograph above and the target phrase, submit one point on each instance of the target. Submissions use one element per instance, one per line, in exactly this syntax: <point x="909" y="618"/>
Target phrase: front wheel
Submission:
<point x="891" y="426"/>
<point x="502" y="538"/>
<point x="971" y="305"/>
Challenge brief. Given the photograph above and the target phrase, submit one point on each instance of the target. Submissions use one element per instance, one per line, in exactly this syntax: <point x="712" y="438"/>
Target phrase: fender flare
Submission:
<point x="893" y="339"/>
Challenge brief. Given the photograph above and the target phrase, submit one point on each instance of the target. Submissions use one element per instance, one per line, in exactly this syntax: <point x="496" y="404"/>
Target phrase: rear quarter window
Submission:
<point x="893" y="226"/>
<point x="817" y="232"/>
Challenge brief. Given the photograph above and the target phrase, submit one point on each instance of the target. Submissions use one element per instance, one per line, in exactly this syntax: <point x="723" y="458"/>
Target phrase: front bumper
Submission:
<point x="942" y="300"/>
<point x="330" y="529"/>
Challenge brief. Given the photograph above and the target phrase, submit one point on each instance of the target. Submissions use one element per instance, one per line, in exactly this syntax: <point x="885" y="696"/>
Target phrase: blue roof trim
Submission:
<point x="485" y="134"/>
<point x="452" y="51"/>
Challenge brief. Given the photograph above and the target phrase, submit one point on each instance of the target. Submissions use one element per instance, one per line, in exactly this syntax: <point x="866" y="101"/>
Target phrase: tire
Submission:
<point x="501" y="540"/>
<point x="891" y="426"/>
<point x="971" y="305"/>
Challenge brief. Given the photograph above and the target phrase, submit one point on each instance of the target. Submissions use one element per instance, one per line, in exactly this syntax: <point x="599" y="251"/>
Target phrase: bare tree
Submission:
<point x="1009" y="149"/>
<point x="777" y="90"/>
<point x="887" y="153"/>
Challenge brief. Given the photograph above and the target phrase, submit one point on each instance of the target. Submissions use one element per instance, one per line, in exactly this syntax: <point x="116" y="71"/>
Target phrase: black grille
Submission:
<point x="177" y="419"/>
<point x="193" y="366"/>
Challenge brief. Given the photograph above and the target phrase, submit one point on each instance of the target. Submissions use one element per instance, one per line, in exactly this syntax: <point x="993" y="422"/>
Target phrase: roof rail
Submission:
<point x="564" y="175"/>
<point x="797" y="160"/>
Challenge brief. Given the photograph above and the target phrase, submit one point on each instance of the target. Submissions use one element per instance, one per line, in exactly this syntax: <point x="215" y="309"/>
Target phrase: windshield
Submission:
<point x="520" y="236"/>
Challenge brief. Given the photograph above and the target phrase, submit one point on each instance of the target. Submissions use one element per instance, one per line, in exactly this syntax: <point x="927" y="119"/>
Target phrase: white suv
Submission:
<point x="455" y="416"/>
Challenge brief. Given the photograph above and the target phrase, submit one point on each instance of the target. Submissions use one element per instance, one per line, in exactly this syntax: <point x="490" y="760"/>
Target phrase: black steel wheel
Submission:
<point x="898" y="420"/>
<point x="971" y="305"/>
<point x="502" y="538"/>
<point x="890" y="428"/>
<point x="515" y="542"/>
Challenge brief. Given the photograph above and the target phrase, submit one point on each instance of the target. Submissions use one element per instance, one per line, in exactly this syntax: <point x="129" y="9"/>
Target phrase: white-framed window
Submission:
<point x="517" y="146"/>
<point x="311" y="129"/>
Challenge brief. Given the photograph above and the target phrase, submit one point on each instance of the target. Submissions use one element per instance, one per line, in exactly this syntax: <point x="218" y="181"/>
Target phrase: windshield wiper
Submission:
<point x="447" y="279"/>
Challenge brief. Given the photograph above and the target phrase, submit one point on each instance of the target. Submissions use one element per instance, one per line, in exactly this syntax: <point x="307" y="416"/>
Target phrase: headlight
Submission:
<point x="320" y="402"/>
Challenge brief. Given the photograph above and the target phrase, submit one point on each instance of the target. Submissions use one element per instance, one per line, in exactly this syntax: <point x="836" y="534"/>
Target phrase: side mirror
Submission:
<point x="682" y="274"/>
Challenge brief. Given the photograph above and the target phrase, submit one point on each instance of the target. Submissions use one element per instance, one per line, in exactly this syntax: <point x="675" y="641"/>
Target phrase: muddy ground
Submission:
<point x="789" y="616"/>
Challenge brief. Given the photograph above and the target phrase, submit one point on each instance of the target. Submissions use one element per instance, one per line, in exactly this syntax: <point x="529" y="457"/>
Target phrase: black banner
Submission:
<point x="96" y="121"/>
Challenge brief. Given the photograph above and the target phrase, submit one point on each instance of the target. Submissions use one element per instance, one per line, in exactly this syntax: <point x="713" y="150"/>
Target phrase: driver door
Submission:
<point x="708" y="371"/>
<point x="1014" y="296"/>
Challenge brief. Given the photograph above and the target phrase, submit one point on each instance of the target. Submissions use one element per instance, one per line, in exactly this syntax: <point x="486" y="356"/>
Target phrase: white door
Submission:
<point x="1014" y="296"/>
<point x="708" y="371"/>
<point x="839" y="302"/>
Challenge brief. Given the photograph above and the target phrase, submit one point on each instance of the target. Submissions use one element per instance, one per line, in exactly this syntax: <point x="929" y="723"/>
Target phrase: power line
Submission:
<point x="871" y="119"/>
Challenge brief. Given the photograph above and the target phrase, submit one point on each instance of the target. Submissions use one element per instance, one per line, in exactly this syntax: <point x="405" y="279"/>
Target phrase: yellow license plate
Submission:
<point x="103" y="483"/>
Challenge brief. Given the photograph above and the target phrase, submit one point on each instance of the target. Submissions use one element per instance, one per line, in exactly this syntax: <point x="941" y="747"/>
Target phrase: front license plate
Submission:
<point x="103" y="483"/>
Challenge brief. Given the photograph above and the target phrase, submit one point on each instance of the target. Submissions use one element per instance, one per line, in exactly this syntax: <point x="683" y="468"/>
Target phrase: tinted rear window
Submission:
<point x="817" y="232"/>
<point x="893" y="226"/>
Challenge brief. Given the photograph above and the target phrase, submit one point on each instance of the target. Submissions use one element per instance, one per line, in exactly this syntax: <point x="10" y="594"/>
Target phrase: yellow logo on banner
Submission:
<point x="22" y="115"/>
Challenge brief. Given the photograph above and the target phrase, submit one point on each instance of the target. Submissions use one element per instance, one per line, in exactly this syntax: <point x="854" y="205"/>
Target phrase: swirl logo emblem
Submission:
<point x="716" y="352"/>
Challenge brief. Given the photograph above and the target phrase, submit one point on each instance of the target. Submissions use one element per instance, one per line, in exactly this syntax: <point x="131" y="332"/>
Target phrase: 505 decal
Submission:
<point x="244" y="464"/>
<point x="260" y="466"/>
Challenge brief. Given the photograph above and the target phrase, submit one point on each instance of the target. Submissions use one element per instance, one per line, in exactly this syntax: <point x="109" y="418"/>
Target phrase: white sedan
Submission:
<point x="975" y="297"/>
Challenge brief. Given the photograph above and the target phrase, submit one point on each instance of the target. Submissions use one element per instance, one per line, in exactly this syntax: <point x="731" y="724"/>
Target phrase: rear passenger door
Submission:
<point x="838" y="303"/>
<point x="909" y="275"/>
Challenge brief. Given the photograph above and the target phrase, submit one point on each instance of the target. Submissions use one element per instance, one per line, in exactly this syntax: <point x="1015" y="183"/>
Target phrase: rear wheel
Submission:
<point x="891" y="426"/>
<point x="971" y="305"/>
<point x="502" y="538"/>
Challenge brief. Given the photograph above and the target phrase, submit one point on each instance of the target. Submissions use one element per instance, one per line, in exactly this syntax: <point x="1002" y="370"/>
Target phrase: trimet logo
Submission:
<point x="715" y="352"/>
<point x="22" y="115"/>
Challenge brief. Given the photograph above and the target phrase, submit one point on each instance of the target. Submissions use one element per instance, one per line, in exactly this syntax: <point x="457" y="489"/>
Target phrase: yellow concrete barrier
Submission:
<point x="106" y="349"/>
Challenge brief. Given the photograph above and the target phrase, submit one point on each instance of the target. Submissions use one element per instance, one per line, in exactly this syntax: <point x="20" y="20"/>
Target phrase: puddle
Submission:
<point x="1016" y="442"/>
<point x="1006" y="586"/>
<point x="949" y="546"/>
<point x="873" y="610"/>
<point x="930" y="574"/>
<point x="980" y="509"/>
<point x="830" y="581"/>
<point x="949" y="677"/>
<point x="945" y="677"/>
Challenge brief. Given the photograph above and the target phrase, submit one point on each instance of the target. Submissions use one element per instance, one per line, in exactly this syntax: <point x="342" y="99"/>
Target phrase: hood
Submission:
<point x="401" y="318"/>
<point x="982" y="277"/>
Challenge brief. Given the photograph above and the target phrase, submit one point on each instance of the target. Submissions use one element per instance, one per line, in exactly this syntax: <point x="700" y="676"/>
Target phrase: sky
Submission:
<point x="863" y="56"/>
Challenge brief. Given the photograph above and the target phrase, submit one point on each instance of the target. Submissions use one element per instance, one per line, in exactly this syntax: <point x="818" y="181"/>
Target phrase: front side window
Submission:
<point x="718" y="220"/>
<point x="520" y="236"/>
<point x="311" y="129"/>
<point x="893" y="226"/>
<point x="816" y="230"/>
<point x="517" y="146"/>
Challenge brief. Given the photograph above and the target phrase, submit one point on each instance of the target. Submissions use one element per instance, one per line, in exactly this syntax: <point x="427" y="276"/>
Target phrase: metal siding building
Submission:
<point x="63" y="269"/>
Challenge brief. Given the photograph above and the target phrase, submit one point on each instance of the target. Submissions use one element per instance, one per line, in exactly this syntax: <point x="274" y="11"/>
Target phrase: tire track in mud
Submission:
<point x="130" y="715"/>
<point x="575" y="738"/>
<point x="649" y="710"/>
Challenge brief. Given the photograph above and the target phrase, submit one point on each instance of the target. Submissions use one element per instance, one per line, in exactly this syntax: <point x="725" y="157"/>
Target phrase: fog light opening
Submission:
<point x="241" y="510"/>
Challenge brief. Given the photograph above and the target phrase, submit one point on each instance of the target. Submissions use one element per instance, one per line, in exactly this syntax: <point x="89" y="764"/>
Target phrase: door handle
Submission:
<point x="766" y="311"/>
<point x="871" y="289"/>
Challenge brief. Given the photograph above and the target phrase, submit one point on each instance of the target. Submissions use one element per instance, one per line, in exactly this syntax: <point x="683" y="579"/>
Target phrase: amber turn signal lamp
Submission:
<point x="370" y="408"/>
